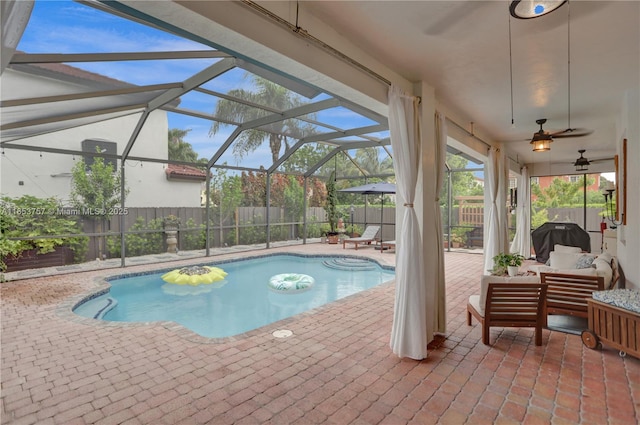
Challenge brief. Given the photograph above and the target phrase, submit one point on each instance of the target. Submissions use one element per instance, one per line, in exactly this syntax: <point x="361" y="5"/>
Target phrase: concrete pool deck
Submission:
<point x="336" y="367"/>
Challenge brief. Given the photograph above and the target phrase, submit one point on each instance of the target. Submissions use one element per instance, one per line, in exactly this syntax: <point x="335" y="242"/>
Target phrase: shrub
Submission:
<point x="29" y="216"/>
<point x="139" y="243"/>
<point x="193" y="239"/>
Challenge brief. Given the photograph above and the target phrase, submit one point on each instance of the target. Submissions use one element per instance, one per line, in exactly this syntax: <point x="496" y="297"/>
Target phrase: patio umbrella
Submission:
<point x="373" y="189"/>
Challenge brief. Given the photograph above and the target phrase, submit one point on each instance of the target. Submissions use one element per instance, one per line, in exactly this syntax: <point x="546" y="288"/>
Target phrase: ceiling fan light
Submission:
<point x="582" y="163"/>
<point x="528" y="9"/>
<point x="541" y="145"/>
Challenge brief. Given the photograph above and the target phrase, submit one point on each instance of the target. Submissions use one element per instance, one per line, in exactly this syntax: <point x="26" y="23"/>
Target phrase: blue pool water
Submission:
<point x="242" y="301"/>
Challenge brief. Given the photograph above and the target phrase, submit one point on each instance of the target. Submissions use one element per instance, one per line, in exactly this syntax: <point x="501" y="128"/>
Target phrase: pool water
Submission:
<point x="240" y="303"/>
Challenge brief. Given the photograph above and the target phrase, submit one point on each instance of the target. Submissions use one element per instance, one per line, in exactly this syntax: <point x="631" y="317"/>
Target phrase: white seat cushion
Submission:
<point x="474" y="300"/>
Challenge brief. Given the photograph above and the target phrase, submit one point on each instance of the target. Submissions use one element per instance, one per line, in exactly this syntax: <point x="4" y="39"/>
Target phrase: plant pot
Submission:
<point x="512" y="270"/>
<point x="172" y="241"/>
<point x="333" y="239"/>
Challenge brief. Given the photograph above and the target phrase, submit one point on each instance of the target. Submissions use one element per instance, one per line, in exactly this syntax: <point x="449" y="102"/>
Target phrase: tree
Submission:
<point x="305" y="157"/>
<point x="561" y="192"/>
<point x="369" y="160"/>
<point x="225" y="196"/>
<point x="332" y="202"/>
<point x="272" y="96"/>
<point x="179" y="149"/>
<point x="95" y="192"/>
<point x="254" y="188"/>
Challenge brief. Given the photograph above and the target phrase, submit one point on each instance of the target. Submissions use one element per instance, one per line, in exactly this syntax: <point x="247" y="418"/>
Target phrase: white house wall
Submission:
<point x="629" y="235"/>
<point x="44" y="174"/>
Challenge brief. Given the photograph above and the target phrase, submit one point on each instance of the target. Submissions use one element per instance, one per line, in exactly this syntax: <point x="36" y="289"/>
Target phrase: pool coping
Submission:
<point x="65" y="309"/>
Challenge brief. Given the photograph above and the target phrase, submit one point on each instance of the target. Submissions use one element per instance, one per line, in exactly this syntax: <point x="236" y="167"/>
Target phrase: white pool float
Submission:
<point x="290" y="283"/>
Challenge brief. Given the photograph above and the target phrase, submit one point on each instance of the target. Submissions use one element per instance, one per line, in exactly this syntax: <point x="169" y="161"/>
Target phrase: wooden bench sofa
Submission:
<point x="568" y="293"/>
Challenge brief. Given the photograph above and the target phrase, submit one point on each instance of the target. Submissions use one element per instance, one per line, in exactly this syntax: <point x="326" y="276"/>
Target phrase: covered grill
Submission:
<point x="550" y="234"/>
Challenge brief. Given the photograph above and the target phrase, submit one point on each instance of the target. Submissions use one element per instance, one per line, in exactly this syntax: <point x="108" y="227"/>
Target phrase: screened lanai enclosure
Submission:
<point x="122" y="136"/>
<point x="116" y="130"/>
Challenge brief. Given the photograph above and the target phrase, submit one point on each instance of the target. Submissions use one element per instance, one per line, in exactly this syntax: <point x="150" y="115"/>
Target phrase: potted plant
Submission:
<point x="456" y="241"/>
<point x="331" y="209"/>
<point x="354" y="231"/>
<point x="506" y="264"/>
<point x="171" y="222"/>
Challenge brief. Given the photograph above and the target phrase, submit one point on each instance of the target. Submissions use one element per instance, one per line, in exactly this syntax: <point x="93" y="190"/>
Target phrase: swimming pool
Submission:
<point x="240" y="303"/>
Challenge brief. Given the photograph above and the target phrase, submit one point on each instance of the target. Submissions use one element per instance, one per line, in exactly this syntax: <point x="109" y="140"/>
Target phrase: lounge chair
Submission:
<point x="367" y="237"/>
<point x="387" y="245"/>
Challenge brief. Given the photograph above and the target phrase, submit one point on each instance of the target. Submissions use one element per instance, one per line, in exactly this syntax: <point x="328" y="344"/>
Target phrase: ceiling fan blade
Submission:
<point x="572" y="132"/>
<point x="592" y="161"/>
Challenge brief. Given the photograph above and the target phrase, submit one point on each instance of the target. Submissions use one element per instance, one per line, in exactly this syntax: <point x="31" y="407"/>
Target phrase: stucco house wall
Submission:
<point x="45" y="174"/>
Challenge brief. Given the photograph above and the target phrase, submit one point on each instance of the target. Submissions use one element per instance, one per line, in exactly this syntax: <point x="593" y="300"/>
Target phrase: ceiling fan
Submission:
<point x="582" y="163"/>
<point x="541" y="138"/>
<point x="569" y="132"/>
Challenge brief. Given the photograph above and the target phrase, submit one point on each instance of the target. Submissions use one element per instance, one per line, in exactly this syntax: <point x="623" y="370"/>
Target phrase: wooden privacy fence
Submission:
<point x="470" y="210"/>
<point x="246" y="225"/>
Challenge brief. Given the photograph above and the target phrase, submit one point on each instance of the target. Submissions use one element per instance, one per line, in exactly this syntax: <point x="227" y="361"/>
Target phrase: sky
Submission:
<point x="68" y="27"/>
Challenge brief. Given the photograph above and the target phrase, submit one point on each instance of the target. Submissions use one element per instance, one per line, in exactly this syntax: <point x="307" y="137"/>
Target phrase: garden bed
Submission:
<point x="30" y="259"/>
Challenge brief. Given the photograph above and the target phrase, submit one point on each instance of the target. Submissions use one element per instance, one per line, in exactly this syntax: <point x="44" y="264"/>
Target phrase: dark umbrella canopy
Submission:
<point x="373" y="189"/>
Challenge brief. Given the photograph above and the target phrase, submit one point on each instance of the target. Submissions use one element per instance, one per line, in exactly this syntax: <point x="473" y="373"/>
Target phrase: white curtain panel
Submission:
<point x="408" y="332"/>
<point x="495" y="226"/>
<point x="436" y="303"/>
<point x="15" y="16"/>
<point x="522" y="241"/>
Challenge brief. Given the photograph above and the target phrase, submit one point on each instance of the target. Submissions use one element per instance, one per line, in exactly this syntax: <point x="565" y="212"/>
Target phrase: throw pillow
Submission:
<point x="585" y="262"/>
<point x="563" y="260"/>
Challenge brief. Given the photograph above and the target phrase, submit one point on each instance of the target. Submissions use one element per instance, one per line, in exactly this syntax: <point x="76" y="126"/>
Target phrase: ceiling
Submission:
<point x="461" y="48"/>
<point x="572" y="66"/>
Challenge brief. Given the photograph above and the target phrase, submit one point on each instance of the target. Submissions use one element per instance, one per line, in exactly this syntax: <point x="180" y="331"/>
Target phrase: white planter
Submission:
<point x="512" y="270"/>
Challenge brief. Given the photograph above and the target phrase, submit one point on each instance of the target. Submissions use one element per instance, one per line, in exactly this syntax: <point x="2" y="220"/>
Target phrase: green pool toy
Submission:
<point x="289" y="283"/>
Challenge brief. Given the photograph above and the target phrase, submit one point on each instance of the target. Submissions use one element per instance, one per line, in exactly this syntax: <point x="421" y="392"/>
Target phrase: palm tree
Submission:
<point x="179" y="149"/>
<point x="369" y="160"/>
<point x="272" y="96"/>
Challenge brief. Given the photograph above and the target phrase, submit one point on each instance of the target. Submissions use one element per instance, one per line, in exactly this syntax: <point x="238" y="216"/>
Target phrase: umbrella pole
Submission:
<point x="381" y="220"/>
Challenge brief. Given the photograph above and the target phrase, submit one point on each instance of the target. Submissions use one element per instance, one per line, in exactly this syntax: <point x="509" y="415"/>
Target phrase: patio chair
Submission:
<point x="508" y="305"/>
<point x="387" y="245"/>
<point x="368" y="236"/>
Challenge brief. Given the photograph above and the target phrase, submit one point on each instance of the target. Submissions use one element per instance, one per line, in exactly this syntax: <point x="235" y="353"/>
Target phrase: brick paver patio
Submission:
<point x="337" y="367"/>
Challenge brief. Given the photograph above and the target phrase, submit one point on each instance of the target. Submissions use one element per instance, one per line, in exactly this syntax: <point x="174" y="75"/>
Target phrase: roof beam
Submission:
<point x="291" y="113"/>
<point x="171" y="94"/>
<point x="87" y="95"/>
<point x="31" y="58"/>
<point x="339" y="134"/>
<point x="84" y="114"/>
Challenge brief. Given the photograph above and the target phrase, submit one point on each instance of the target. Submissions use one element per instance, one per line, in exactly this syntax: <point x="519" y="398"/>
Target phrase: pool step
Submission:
<point x="349" y="264"/>
<point x="102" y="307"/>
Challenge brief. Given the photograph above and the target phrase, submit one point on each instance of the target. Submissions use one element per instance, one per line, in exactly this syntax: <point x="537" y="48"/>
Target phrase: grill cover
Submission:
<point x="550" y="234"/>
